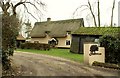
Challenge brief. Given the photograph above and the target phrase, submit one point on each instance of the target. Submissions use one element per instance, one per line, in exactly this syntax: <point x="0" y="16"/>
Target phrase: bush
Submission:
<point x="10" y="27"/>
<point x="37" y="46"/>
<point x="112" y="48"/>
<point x="106" y="65"/>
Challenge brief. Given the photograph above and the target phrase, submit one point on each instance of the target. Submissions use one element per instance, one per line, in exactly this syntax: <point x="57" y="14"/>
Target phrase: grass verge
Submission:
<point x="64" y="53"/>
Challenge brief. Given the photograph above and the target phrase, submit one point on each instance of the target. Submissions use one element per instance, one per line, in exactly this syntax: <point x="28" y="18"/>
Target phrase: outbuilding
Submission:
<point x="90" y="34"/>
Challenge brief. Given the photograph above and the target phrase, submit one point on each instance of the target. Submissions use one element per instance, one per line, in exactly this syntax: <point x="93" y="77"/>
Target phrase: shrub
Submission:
<point x="106" y="65"/>
<point x="112" y="48"/>
<point x="10" y="27"/>
<point x="37" y="46"/>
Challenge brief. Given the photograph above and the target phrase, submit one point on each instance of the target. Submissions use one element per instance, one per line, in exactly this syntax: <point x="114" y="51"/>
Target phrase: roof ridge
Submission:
<point x="59" y="21"/>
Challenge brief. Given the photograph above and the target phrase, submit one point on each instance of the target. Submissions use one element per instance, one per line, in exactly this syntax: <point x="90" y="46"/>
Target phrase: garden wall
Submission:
<point x="89" y="57"/>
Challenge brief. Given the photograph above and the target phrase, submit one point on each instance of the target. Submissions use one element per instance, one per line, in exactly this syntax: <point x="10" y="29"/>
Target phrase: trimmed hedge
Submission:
<point x="106" y="65"/>
<point x="37" y="46"/>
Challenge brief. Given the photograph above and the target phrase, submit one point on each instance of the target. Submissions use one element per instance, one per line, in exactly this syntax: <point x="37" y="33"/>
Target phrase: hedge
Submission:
<point x="37" y="46"/>
<point x="112" y="48"/>
<point x="106" y="65"/>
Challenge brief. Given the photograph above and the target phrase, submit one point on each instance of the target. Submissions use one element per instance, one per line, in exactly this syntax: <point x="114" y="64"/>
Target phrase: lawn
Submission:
<point x="64" y="53"/>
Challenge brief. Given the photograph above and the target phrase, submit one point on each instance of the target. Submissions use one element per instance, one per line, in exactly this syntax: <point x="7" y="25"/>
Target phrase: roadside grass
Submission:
<point x="63" y="53"/>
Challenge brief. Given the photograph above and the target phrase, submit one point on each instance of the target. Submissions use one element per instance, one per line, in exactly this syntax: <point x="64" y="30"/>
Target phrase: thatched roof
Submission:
<point x="56" y="28"/>
<point x="20" y="37"/>
<point x="113" y="31"/>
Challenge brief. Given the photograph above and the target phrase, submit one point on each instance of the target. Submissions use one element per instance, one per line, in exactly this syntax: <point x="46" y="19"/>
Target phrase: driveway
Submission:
<point x="30" y="64"/>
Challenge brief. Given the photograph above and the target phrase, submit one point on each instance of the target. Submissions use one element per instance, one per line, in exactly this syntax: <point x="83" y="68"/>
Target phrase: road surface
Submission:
<point x="30" y="64"/>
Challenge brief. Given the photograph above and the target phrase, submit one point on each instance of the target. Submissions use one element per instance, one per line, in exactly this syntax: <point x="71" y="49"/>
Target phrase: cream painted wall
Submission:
<point x="98" y="58"/>
<point x="61" y="41"/>
<point x="89" y="59"/>
<point x="41" y="40"/>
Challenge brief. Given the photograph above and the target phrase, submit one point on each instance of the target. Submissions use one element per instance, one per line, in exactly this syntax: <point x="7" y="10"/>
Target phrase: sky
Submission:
<point x="64" y="9"/>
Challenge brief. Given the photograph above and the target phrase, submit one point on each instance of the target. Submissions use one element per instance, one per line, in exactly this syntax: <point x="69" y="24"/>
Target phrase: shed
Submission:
<point x="89" y="34"/>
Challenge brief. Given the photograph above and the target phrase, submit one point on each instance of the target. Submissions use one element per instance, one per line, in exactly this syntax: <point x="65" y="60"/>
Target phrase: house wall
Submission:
<point x="98" y="58"/>
<point x="41" y="40"/>
<point x="62" y="41"/>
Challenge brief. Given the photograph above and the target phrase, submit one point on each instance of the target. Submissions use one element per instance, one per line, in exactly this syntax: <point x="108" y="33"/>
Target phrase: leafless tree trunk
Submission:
<point x="112" y="13"/>
<point x="92" y="13"/>
<point x="98" y="14"/>
<point x="88" y="6"/>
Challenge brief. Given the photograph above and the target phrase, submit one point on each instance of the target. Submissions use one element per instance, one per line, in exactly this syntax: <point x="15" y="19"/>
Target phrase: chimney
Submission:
<point x="48" y="19"/>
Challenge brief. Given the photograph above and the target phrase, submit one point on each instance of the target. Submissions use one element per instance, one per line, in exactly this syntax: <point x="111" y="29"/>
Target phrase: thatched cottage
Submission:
<point x="59" y="31"/>
<point x="90" y="34"/>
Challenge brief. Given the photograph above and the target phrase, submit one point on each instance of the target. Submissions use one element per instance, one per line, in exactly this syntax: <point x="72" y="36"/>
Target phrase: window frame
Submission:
<point x="68" y="42"/>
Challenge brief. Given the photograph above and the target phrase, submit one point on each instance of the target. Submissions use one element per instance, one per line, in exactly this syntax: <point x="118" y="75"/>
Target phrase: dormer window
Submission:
<point x="47" y="32"/>
<point x="68" y="32"/>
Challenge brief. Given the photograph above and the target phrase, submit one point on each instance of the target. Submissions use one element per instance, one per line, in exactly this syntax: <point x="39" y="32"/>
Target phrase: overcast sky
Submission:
<point x="63" y="9"/>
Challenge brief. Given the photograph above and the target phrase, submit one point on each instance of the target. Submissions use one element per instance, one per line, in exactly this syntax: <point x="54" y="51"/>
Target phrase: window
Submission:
<point x="67" y="42"/>
<point x="68" y="32"/>
<point x="27" y="41"/>
<point x="47" y="32"/>
<point x="36" y="41"/>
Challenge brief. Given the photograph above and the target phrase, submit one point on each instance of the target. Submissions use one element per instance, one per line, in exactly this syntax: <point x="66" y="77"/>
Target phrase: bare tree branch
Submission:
<point x="79" y="8"/>
<point x="88" y="6"/>
<point x="92" y="13"/>
<point x="36" y="5"/>
<point x="5" y="7"/>
<point x="28" y="11"/>
<point x="14" y="8"/>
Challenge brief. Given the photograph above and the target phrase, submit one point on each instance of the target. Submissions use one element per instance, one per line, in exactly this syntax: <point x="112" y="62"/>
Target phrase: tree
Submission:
<point x="112" y="13"/>
<point x="88" y="7"/>
<point x="11" y="25"/>
<point x="98" y="14"/>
